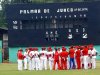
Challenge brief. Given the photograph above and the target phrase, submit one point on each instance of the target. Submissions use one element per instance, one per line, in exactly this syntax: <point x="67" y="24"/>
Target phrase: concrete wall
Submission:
<point x="0" y="51"/>
<point x="13" y="53"/>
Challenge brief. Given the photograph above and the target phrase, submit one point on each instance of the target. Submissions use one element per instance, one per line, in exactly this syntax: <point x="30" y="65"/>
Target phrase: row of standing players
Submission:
<point x="77" y="57"/>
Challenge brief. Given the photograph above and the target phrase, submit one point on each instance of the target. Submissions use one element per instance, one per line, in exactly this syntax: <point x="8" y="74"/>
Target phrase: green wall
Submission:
<point x="13" y="53"/>
<point x="0" y="51"/>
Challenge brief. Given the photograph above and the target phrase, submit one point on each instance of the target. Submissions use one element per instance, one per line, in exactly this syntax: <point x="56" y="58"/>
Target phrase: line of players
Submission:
<point x="77" y="57"/>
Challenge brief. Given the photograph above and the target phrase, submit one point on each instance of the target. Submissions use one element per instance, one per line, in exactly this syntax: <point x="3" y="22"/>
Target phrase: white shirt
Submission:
<point x="26" y="55"/>
<point x="50" y="55"/>
<point x="93" y="53"/>
<point x="31" y="54"/>
<point x="43" y="54"/>
<point x="36" y="54"/>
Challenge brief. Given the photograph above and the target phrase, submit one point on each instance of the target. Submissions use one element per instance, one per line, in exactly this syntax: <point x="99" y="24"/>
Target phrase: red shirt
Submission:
<point x="71" y="53"/>
<point x="78" y="53"/>
<point x="85" y="51"/>
<point x="56" y="56"/>
<point x="20" y="55"/>
<point x="64" y="55"/>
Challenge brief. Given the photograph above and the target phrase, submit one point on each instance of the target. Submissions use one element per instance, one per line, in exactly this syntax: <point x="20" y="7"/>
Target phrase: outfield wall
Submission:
<point x="0" y="51"/>
<point x="13" y="53"/>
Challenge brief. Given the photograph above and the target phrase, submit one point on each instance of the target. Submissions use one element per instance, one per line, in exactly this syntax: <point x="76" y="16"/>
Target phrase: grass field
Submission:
<point x="11" y="69"/>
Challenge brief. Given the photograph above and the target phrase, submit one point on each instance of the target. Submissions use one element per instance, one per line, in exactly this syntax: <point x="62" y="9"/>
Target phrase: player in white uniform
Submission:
<point x="37" y="60"/>
<point x="50" y="57"/>
<point x="43" y="58"/>
<point x="89" y="57"/>
<point x="93" y="61"/>
<point x="31" y="59"/>
<point x="25" y="59"/>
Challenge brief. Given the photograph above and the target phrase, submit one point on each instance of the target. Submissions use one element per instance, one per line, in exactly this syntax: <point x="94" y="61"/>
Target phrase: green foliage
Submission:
<point x="2" y="14"/>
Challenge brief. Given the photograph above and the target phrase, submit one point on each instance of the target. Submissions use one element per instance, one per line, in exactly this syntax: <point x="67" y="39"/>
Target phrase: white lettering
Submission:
<point x="46" y="11"/>
<point x="15" y="22"/>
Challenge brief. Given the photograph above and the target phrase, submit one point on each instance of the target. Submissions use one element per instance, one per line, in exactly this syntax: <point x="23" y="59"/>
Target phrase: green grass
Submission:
<point x="11" y="69"/>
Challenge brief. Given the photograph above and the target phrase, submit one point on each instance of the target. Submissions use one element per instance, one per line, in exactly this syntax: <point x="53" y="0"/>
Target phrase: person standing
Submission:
<point x="89" y="57"/>
<point x="72" y="60"/>
<point x="85" y="57"/>
<point x="36" y="59"/>
<point x="56" y="60"/>
<point x="20" y="57"/>
<point x="78" y="58"/>
<point x="31" y="59"/>
<point x="25" y="59"/>
<point x="93" y="60"/>
<point x="50" y="57"/>
<point x="64" y="55"/>
<point x="43" y="58"/>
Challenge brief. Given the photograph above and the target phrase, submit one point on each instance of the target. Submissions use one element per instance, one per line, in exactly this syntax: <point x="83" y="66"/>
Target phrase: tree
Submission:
<point x="2" y="13"/>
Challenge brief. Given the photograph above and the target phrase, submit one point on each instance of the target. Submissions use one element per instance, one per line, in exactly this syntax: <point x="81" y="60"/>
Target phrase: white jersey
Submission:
<point x="31" y="54"/>
<point x="89" y="52"/>
<point x="26" y="55"/>
<point x="36" y="54"/>
<point x="50" y="55"/>
<point x="43" y="54"/>
<point x="94" y="53"/>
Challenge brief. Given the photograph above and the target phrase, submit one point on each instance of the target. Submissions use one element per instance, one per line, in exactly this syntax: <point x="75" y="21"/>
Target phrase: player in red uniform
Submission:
<point x="78" y="58"/>
<point x="85" y="57"/>
<point x="56" y="59"/>
<point x="20" y="57"/>
<point x="72" y="54"/>
<point x="64" y="55"/>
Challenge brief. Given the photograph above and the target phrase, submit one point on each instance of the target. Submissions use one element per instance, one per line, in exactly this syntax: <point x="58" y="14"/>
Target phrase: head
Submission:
<point x="43" y="48"/>
<point x="49" y="49"/>
<point x="26" y="49"/>
<point x="56" y="49"/>
<point x="63" y="49"/>
<point x="21" y="50"/>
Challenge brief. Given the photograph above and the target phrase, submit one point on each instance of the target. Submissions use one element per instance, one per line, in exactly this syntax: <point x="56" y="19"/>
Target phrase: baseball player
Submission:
<point x="93" y="60"/>
<point x="56" y="60"/>
<point x="72" y="60"/>
<point x="64" y="55"/>
<point x="25" y="59"/>
<point x="50" y="57"/>
<point x="43" y="58"/>
<point x="36" y="59"/>
<point x="85" y="57"/>
<point x="20" y="57"/>
<point x="31" y="59"/>
<point x="78" y="58"/>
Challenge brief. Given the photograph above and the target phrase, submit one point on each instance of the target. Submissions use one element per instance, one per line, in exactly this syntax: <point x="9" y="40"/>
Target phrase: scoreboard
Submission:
<point x="53" y="24"/>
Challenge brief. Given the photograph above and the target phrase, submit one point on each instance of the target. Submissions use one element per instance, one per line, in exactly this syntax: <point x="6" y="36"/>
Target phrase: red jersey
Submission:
<point x="20" y="55"/>
<point x="71" y="53"/>
<point x="64" y="54"/>
<point x="78" y="53"/>
<point x="56" y="56"/>
<point x="85" y="51"/>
